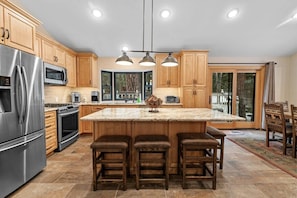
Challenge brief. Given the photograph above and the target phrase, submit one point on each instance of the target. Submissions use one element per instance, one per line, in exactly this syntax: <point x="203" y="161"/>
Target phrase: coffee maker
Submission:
<point x="95" y="96"/>
<point x="75" y="97"/>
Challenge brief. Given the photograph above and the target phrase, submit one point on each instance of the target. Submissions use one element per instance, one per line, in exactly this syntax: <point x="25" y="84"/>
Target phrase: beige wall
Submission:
<point x="292" y="74"/>
<point x="286" y="80"/>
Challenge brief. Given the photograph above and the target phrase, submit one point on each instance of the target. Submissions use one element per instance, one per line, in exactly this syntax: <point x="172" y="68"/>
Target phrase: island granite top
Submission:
<point x="164" y="114"/>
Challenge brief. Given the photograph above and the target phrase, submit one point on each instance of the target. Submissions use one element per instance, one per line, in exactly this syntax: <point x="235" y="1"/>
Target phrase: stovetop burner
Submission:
<point x="56" y="104"/>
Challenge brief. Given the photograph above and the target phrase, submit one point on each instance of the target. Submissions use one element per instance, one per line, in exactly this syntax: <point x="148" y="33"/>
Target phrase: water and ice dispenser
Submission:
<point x="5" y="94"/>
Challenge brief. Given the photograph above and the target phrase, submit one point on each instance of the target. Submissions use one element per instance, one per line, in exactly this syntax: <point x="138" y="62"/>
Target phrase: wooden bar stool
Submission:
<point x="152" y="159"/>
<point x="220" y="136"/>
<point x="196" y="150"/>
<point x="111" y="159"/>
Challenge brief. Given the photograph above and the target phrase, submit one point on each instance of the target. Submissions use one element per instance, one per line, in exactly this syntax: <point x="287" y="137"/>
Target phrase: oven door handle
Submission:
<point x="68" y="113"/>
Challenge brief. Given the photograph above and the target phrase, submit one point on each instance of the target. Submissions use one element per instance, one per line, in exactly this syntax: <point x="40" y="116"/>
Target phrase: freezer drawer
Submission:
<point x="22" y="161"/>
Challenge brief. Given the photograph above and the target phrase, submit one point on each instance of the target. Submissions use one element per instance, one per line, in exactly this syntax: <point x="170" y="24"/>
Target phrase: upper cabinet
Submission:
<point x="194" y="68"/>
<point x="53" y="53"/>
<point x="87" y="70"/>
<point x="194" y="81"/>
<point x="167" y="76"/>
<point x="17" y="28"/>
<point x="71" y="69"/>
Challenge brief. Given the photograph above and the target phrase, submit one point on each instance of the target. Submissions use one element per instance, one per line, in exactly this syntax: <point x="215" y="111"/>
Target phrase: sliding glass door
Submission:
<point x="237" y="91"/>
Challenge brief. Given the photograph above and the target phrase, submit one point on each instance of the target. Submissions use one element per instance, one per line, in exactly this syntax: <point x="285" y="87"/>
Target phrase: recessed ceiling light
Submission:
<point x="97" y="13"/>
<point x="233" y="13"/>
<point x="125" y="48"/>
<point x="165" y="13"/>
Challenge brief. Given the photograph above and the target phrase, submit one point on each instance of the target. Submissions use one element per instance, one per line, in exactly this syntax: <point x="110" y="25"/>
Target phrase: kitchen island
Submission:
<point x="168" y="121"/>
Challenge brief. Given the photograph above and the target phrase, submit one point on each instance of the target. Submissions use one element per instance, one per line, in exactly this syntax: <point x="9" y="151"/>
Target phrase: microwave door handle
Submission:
<point x="65" y="76"/>
<point x="20" y="100"/>
<point x="26" y="104"/>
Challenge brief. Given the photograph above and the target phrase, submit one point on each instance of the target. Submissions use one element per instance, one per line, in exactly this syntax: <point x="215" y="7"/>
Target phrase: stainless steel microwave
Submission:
<point x="54" y="75"/>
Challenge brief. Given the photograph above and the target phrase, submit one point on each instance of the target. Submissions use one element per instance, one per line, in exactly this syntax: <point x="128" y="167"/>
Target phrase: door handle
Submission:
<point x="20" y="99"/>
<point x="8" y="35"/>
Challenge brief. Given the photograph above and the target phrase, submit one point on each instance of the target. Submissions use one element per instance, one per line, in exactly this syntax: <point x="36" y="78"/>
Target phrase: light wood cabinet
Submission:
<point x="52" y="53"/>
<point x="87" y="70"/>
<point x="194" y="68"/>
<point x="17" y="28"/>
<point x="194" y="80"/>
<point x="38" y="51"/>
<point x="71" y="69"/>
<point x="167" y="76"/>
<point x="194" y="97"/>
<point x="51" y="140"/>
<point x="87" y="126"/>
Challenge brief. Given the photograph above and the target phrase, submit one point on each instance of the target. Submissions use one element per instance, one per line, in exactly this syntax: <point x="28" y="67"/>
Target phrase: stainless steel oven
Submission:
<point x="67" y="124"/>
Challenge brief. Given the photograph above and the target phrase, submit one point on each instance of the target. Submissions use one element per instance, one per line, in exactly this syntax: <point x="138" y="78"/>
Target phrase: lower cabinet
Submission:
<point x="195" y="97"/>
<point x="86" y="126"/>
<point x="51" y="140"/>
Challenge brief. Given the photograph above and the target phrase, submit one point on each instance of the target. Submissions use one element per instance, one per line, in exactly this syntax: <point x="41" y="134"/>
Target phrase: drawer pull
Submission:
<point x="48" y="116"/>
<point x="48" y="126"/>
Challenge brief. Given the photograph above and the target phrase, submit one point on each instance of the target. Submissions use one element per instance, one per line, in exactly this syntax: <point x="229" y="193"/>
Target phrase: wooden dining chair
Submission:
<point x="276" y="124"/>
<point x="294" y="129"/>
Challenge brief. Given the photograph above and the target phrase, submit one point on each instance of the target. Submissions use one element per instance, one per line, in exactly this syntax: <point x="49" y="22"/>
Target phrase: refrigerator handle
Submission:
<point x="20" y="105"/>
<point x="26" y="100"/>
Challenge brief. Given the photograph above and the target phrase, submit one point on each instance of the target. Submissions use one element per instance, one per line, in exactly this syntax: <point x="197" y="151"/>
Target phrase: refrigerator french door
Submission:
<point x="22" y="134"/>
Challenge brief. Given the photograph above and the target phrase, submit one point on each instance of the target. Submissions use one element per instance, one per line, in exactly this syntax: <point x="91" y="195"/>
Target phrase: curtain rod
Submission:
<point x="241" y="63"/>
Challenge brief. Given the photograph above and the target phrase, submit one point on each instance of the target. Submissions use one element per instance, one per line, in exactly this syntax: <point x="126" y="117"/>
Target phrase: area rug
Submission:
<point x="272" y="154"/>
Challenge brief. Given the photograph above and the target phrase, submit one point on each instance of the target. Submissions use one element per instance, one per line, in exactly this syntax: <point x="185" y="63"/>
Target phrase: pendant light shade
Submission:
<point x="147" y="60"/>
<point x="169" y="61"/>
<point x="124" y="60"/>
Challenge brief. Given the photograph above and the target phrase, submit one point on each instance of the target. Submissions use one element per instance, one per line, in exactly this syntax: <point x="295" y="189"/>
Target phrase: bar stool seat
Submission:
<point x="220" y="136"/>
<point x="111" y="154"/>
<point x="195" y="151"/>
<point x="152" y="168"/>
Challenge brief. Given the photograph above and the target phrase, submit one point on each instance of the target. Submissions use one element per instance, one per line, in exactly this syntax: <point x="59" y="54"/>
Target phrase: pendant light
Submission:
<point x="147" y="60"/>
<point x="169" y="61"/>
<point x="124" y="59"/>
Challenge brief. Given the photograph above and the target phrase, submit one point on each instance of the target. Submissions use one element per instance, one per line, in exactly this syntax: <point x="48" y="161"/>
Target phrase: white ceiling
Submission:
<point x="263" y="27"/>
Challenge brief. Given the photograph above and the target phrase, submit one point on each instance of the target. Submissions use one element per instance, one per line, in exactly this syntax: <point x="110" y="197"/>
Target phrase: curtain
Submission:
<point x="269" y="88"/>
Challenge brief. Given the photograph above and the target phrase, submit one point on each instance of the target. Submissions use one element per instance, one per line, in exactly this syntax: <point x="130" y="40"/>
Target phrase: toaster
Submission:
<point x="172" y="99"/>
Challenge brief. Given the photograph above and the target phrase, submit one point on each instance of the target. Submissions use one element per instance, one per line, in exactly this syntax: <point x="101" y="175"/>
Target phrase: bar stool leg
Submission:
<point x="214" y="181"/>
<point x="94" y="171"/>
<point x="137" y="169"/>
<point x="167" y="169"/>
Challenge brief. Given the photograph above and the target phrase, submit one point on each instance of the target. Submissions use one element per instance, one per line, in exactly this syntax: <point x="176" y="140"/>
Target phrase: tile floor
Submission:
<point x="69" y="174"/>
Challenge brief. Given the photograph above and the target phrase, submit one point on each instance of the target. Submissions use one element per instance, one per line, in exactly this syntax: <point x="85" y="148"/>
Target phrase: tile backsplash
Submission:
<point x="62" y="94"/>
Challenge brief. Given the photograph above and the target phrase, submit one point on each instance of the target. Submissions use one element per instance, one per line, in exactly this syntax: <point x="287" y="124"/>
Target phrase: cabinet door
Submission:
<point x="71" y="69"/>
<point x="201" y="99"/>
<point x="38" y="46"/>
<point x="21" y="32"/>
<point x="194" y="68"/>
<point x="86" y="126"/>
<point x="167" y="76"/>
<point x="84" y="72"/>
<point x="188" y="98"/>
<point x="48" y="52"/>
<point x="59" y="56"/>
<point x="2" y="30"/>
<point x="162" y="76"/>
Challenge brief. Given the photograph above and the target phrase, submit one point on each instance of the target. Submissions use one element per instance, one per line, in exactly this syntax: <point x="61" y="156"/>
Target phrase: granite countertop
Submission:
<point x="114" y="103"/>
<point x="46" y="109"/>
<point x="164" y="114"/>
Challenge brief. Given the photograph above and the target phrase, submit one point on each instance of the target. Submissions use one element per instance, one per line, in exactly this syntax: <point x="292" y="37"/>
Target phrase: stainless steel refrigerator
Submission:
<point x="22" y="133"/>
